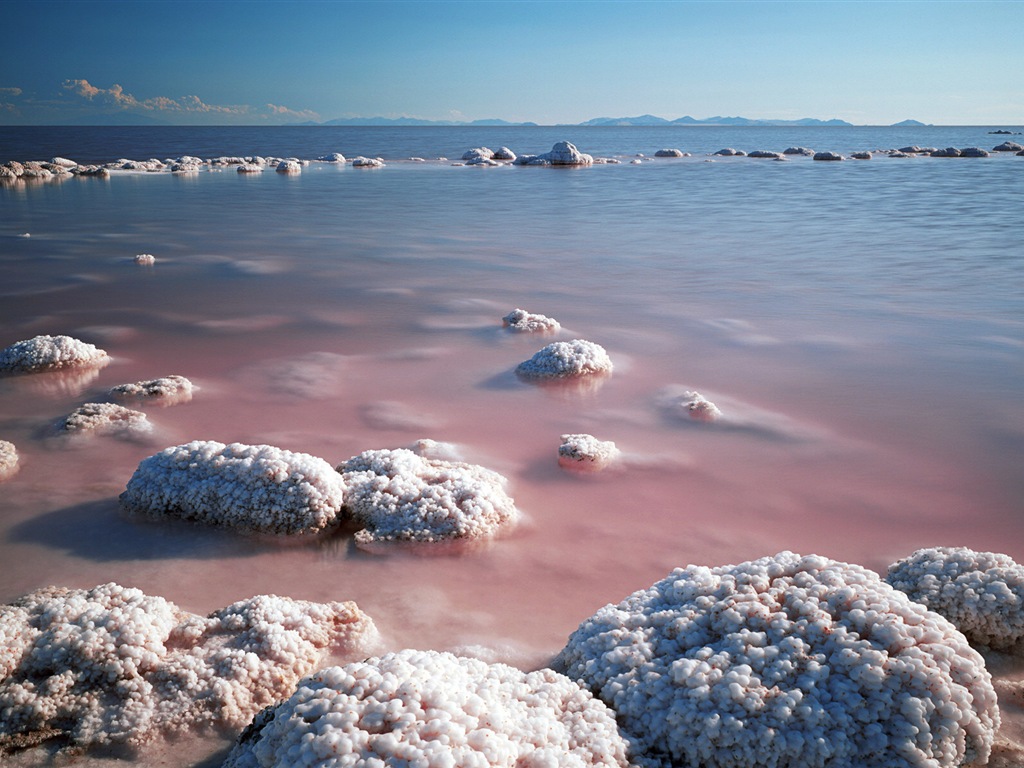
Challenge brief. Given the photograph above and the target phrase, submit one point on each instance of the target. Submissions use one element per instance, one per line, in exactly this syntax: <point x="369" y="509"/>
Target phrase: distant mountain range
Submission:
<point x="642" y="120"/>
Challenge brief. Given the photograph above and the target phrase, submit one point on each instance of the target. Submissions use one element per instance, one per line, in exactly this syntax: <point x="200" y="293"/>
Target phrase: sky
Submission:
<point x="265" y="62"/>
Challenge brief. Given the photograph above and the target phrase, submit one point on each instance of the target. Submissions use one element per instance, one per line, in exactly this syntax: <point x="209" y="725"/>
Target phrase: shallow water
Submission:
<point x="862" y="322"/>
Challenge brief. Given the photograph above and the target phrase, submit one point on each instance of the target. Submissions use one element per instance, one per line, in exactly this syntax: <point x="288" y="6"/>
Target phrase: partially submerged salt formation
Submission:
<point x="696" y="407"/>
<point x="982" y="593"/>
<point x="255" y="488"/>
<point x="111" y="665"/>
<point x="803" y="151"/>
<point x="105" y="419"/>
<point x="562" y="153"/>
<point x="145" y="259"/>
<point x="827" y="156"/>
<point x="586" y="452"/>
<point x="367" y="162"/>
<point x="527" y="322"/>
<point x="289" y="166"/>
<point x="437" y="709"/>
<point x="786" y="660"/>
<point x="670" y="153"/>
<point x="566" y="359"/>
<point x="167" y="390"/>
<point x="50" y="353"/>
<point x="8" y="460"/>
<point x="400" y="496"/>
<point x="730" y="152"/>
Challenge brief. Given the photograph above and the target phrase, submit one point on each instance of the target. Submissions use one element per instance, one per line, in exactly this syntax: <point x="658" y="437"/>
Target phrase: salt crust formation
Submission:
<point x="827" y="156"/>
<point x="730" y="152"/>
<point x="50" y="353"/>
<point x="105" y="419"/>
<point x="562" y="153"/>
<point x="982" y="593"/>
<point x="566" y="359"/>
<point x="586" y="452"/>
<point x="670" y="153"/>
<point x="8" y="460"/>
<point x="145" y="259"/>
<point x="526" y="322"/>
<point x="698" y="408"/>
<point x="167" y="390"/>
<point x="786" y="661"/>
<point x="367" y="162"/>
<point x="425" y="708"/>
<point x="289" y="166"/>
<point x="111" y="665"/>
<point x="254" y="488"/>
<point x="400" y="496"/>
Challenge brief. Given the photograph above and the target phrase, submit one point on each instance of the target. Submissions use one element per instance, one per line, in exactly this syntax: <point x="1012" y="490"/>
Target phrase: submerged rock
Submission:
<point x="50" y="353"/>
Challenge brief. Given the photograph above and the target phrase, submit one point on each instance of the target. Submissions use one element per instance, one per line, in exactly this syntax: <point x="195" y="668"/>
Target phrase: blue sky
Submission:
<point x="269" y="62"/>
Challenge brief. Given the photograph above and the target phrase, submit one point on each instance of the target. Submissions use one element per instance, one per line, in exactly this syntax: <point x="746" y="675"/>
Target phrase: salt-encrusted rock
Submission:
<point x="111" y="665"/>
<point x="730" y="152"/>
<point x="566" y="359"/>
<point x="334" y="157"/>
<point x="50" y="353"/>
<point x="827" y="156"/>
<point x="913" y="149"/>
<point x="484" y="161"/>
<point x="289" y="166"/>
<point x="973" y="152"/>
<point x="145" y="259"/>
<point x="861" y="155"/>
<point x="167" y="390"/>
<point x="586" y="452"/>
<point x="982" y="593"/>
<point x="367" y="162"/>
<point x="478" y="153"/>
<point x="399" y="496"/>
<point x="1008" y="146"/>
<point x="766" y="154"/>
<point x="104" y="419"/>
<point x="786" y="661"/>
<point x="504" y="153"/>
<point x="694" y="406"/>
<point x="798" y="151"/>
<point x="562" y="153"/>
<point x="250" y="168"/>
<point x="8" y="460"/>
<point x="256" y="488"/>
<point x="36" y="172"/>
<point x="899" y="154"/>
<point x="527" y="322"/>
<point x="947" y="152"/>
<point x="425" y="708"/>
<point x="670" y="153"/>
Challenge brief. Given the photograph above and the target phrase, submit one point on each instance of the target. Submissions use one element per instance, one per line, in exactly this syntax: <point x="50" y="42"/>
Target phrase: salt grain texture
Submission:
<point x="786" y="661"/>
<point x="255" y="488"/>
<point x="527" y="322"/>
<point x="112" y="665"/>
<point x="697" y="407"/>
<point x="8" y="460"/>
<point x="167" y="390"/>
<point x="50" y="353"/>
<point x="982" y="593"/>
<point x="586" y="452"/>
<point x="105" y="419"/>
<point x="425" y="708"/>
<point x="566" y="359"/>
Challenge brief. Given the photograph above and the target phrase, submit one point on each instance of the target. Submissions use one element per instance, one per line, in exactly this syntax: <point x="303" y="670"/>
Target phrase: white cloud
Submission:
<point x="115" y="96"/>
<point x="304" y="114"/>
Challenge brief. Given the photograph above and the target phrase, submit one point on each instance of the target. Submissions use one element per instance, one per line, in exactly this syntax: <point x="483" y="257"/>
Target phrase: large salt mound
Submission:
<point x="786" y="661"/>
<point x="113" y="665"/>
<point x="586" y="452"/>
<point x="566" y="359"/>
<point x="257" y="488"/>
<point x="50" y="353"/>
<point x="424" y="708"/>
<point x="982" y="593"/>
<point x="167" y="390"/>
<point x="562" y="153"/>
<point x="399" y="496"/>
<point x="8" y="460"/>
<point x="105" y="419"/>
<point x="521" y="321"/>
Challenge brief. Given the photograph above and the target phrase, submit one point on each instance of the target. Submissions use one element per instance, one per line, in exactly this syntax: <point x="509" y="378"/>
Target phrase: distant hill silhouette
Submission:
<point x="641" y="120"/>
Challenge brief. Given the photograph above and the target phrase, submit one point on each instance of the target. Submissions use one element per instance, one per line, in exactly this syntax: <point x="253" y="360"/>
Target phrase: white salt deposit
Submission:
<point x="828" y="156"/>
<point x="250" y="168"/>
<point x="786" y="660"/>
<point x="566" y="359"/>
<point x="145" y="259"/>
<point x="50" y="353"/>
<point x="367" y="162"/>
<point x="586" y="452"/>
<point x="399" y="496"/>
<point x="424" y="708"/>
<point x="334" y="157"/>
<point x="562" y="153"/>
<point x="670" y="153"/>
<point x="982" y="593"/>
<point x="167" y="390"/>
<point x="257" y="488"/>
<point x="479" y="153"/>
<point x="112" y="665"/>
<point x="697" y="407"/>
<point x="504" y="153"/>
<point x="8" y="460"/>
<point x="105" y="419"/>
<point x="289" y="166"/>
<point x="526" y="322"/>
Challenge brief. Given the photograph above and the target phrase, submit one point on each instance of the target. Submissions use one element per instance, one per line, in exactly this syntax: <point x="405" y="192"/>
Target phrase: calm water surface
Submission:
<point x="863" y="321"/>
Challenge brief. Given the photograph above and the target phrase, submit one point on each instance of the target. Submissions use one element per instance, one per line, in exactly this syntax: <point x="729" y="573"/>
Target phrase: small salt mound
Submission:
<point x="525" y="322"/>
<point x="982" y="593"/>
<point x="167" y="390"/>
<point x="827" y="156"/>
<point x="504" y="153"/>
<point x="697" y="407"/>
<point x="257" y="488"/>
<point x="804" y="151"/>
<point x="105" y="419"/>
<point x="8" y="460"/>
<point x="480" y="153"/>
<point x="786" y="660"/>
<point x="367" y="162"/>
<point x="146" y="259"/>
<point x="730" y="152"/>
<point x="670" y="153"/>
<point x="425" y="708"/>
<point x="289" y="166"/>
<point x="111" y="665"/>
<point x="250" y="168"/>
<point x="566" y="359"/>
<point x="586" y="452"/>
<point x="334" y="157"/>
<point x="50" y="353"/>
<point x="398" y="496"/>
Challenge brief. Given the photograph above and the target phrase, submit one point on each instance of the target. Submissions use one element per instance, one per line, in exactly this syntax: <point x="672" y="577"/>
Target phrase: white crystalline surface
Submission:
<point x="113" y="665"/>
<point x="8" y="460"/>
<point x="698" y="407"/>
<point x="425" y="708"/>
<point x="174" y="388"/>
<point x="105" y="419"/>
<point x="586" y="452"/>
<point x="982" y="593"/>
<point x="257" y="488"/>
<point x="527" y="322"/>
<point x="50" y="353"/>
<point x="564" y="359"/>
<point x="399" y="496"/>
<point x="786" y="661"/>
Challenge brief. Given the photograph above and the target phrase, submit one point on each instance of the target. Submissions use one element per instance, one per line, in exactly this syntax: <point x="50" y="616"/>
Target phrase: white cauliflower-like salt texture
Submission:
<point x="105" y="419"/>
<point x="786" y="661"/>
<point x="565" y="359"/>
<point x="256" y="488"/>
<point x="113" y="665"/>
<point x="50" y="353"/>
<point x="699" y="408"/>
<point x="586" y="452"/>
<point x="521" y="321"/>
<point x="982" y="593"/>
<point x="425" y="708"/>
<point x="167" y="390"/>
<point x="399" y="496"/>
<point x="8" y="460"/>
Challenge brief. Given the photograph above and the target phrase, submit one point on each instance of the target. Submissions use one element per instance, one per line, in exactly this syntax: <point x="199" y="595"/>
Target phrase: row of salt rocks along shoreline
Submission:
<point x="562" y="153"/>
<point x="786" y="660"/>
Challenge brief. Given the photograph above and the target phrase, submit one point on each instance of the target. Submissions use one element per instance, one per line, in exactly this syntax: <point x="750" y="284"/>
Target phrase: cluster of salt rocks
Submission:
<point x="50" y="353"/>
<point x="786" y="660"/>
<point x="433" y="709"/>
<point x="111" y="665"/>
